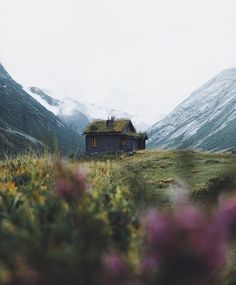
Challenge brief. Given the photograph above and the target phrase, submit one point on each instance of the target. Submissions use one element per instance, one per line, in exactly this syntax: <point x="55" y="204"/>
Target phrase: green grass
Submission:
<point x="158" y="170"/>
<point x="147" y="174"/>
<point x="57" y="239"/>
<point x="194" y="168"/>
<point x="150" y="173"/>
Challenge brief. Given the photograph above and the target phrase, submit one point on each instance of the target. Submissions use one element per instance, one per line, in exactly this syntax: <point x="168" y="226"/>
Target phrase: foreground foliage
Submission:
<point x="90" y="222"/>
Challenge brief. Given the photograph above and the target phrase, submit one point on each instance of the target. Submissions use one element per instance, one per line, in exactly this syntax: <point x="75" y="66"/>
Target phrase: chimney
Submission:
<point x="110" y="122"/>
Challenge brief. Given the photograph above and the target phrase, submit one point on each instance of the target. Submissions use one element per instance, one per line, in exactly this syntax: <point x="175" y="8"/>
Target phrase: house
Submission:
<point x="113" y="135"/>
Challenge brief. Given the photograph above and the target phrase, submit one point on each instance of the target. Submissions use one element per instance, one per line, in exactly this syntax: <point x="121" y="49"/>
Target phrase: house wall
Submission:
<point x="111" y="143"/>
<point x="128" y="146"/>
<point x="136" y="144"/>
<point x="132" y="144"/>
<point x="106" y="143"/>
<point x="142" y="143"/>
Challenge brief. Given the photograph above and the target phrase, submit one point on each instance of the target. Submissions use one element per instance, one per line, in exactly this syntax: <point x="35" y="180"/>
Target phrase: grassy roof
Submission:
<point x="137" y="135"/>
<point x="100" y="126"/>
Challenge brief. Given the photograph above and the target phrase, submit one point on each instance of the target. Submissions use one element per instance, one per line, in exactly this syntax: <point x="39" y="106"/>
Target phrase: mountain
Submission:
<point x="78" y="115"/>
<point x="206" y="120"/>
<point x="68" y="111"/>
<point x="27" y="125"/>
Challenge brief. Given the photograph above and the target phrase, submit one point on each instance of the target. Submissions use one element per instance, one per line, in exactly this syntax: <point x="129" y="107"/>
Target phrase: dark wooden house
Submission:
<point x="113" y="135"/>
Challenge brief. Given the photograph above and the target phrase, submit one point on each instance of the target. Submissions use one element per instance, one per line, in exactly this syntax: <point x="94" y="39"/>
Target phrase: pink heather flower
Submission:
<point x="186" y="246"/>
<point x="117" y="271"/>
<point x="114" y="264"/>
<point x="189" y="218"/>
<point x="157" y="227"/>
<point x="149" y="264"/>
<point x="226" y="216"/>
<point x="63" y="188"/>
<point x="81" y="179"/>
<point x="71" y="186"/>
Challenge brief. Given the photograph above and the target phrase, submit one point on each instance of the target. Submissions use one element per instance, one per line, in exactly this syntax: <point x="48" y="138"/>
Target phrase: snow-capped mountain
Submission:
<point x="77" y="114"/>
<point x="68" y="111"/>
<point x="205" y="120"/>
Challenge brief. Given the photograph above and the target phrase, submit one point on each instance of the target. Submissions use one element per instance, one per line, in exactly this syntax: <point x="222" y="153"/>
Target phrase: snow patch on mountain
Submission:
<point x="68" y="108"/>
<point x="54" y="109"/>
<point x="208" y="110"/>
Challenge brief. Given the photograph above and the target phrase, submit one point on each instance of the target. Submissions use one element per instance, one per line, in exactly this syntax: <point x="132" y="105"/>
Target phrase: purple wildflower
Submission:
<point x="226" y="217"/>
<point x="149" y="264"/>
<point x="71" y="186"/>
<point x="157" y="226"/>
<point x="64" y="189"/>
<point x="81" y="179"/>
<point x="115" y="264"/>
<point x="186" y="246"/>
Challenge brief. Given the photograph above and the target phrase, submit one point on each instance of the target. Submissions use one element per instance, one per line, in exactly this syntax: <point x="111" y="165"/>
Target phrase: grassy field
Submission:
<point x="70" y="222"/>
<point x="194" y="168"/>
<point x="151" y="173"/>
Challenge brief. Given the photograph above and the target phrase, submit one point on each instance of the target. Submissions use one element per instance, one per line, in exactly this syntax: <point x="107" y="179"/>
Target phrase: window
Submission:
<point x="95" y="141"/>
<point x="124" y="142"/>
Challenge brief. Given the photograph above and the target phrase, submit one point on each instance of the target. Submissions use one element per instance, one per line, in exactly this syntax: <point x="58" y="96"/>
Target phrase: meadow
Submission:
<point x="156" y="217"/>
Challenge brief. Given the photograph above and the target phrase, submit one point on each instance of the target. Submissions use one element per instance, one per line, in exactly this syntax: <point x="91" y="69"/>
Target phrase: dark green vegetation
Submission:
<point x="25" y="125"/>
<point x="59" y="227"/>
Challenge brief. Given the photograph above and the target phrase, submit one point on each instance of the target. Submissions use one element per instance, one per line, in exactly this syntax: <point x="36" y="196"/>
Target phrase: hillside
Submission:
<point x="206" y="120"/>
<point x="26" y="124"/>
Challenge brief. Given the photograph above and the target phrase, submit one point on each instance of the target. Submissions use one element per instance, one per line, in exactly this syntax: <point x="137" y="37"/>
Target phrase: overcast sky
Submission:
<point x="140" y="56"/>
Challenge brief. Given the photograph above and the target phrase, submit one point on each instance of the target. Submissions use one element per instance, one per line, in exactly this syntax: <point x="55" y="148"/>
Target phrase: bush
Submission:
<point x="215" y="186"/>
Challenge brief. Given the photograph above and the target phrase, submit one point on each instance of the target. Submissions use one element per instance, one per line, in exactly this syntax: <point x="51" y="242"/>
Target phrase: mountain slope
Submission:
<point x="205" y="120"/>
<point x="23" y="118"/>
<point x="68" y="111"/>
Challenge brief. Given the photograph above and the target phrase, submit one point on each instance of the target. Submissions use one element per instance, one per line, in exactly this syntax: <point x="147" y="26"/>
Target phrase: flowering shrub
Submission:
<point x="184" y="247"/>
<point x="71" y="186"/>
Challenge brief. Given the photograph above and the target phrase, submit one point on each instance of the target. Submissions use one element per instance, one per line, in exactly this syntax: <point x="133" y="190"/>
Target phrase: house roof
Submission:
<point x="138" y="135"/>
<point x="101" y="126"/>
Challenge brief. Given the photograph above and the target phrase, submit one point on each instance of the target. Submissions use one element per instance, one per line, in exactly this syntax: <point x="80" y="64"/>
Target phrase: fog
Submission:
<point x="142" y="57"/>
